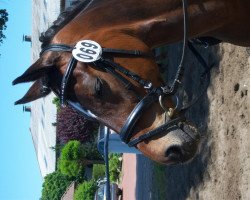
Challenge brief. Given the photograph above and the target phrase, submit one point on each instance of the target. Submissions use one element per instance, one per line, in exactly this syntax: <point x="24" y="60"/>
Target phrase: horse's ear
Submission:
<point x="36" y="91"/>
<point x="39" y="69"/>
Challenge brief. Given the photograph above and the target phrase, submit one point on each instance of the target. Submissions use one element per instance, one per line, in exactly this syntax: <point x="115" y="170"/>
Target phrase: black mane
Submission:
<point x="64" y="18"/>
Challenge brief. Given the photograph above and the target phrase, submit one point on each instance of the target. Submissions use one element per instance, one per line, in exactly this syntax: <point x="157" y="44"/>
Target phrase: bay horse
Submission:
<point x="121" y="86"/>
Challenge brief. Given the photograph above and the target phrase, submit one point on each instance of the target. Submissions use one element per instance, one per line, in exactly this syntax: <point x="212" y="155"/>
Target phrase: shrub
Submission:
<point x="70" y="159"/>
<point x="54" y="186"/>
<point x="86" y="191"/>
<point x="71" y="168"/>
<point x="71" y="125"/>
<point x="75" y="156"/>
<point x="115" y="165"/>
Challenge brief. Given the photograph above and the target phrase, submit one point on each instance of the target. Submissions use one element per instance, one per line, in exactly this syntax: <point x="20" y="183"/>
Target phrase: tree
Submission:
<point x="54" y="186"/>
<point x="86" y="191"/>
<point x="3" y="19"/>
<point x="71" y="125"/>
<point x="75" y="156"/>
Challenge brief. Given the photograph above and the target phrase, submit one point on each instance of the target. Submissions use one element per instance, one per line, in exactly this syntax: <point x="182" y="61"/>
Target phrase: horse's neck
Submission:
<point x="205" y="19"/>
<point x="154" y="23"/>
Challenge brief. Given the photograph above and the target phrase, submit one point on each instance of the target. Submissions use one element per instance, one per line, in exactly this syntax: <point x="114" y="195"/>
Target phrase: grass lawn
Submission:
<point x="159" y="182"/>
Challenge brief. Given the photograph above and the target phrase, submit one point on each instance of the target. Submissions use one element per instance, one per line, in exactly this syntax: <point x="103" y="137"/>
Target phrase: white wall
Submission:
<point x="43" y="112"/>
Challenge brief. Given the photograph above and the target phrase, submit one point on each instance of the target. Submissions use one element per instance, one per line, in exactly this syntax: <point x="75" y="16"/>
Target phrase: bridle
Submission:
<point x="153" y="94"/>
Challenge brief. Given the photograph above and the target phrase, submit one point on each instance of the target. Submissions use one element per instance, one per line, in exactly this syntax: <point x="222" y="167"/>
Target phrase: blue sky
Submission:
<point x="20" y="177"/>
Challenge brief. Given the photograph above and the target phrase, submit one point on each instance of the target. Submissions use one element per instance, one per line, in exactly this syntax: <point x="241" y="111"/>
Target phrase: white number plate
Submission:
<point x="87" y="51"/>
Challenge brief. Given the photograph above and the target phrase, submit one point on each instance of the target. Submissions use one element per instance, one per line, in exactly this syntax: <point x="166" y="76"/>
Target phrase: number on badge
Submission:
<point x="87" y="51"/>
<point x="86" y="44"/>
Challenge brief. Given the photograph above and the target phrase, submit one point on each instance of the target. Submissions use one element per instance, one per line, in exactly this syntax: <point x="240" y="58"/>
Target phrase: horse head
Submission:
<point x="120" y="89"/>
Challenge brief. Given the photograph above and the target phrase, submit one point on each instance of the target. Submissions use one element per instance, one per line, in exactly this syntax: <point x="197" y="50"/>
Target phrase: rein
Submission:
<point x="153" y="95"/>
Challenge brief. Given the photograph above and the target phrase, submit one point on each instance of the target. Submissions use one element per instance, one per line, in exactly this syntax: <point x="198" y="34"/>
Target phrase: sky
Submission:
<point x="20" y="178"/>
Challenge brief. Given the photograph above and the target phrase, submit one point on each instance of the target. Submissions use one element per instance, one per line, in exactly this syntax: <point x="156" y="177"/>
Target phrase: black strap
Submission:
<point x="132" y="75"/>
<point x="104" y="66"/>
<point x="204" y="77"/>
<point x="65" y="79"/>
<point x="167" y="127"/>
<point x="57" y="47"/>
<point x="197" y="55"/>
<point x="205" y="41"/>
<point x="120" y="52"/>
<point x="170" y="90"/>
<point x="126" y="132"/>
<point x="79" y="108"/>
<point x="84" y="111"/>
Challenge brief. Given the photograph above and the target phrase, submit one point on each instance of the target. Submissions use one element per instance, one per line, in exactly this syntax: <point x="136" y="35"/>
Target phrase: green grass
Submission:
<point x="98" y="171"/>
<point x="159" y="182"/>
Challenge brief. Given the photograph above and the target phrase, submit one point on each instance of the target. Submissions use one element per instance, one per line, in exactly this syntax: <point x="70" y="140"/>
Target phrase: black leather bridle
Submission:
<point x="152" y="96"/>
<point x="152" y="93"/>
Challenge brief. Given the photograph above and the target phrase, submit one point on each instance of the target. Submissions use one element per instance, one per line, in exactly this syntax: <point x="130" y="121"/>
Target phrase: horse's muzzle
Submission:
<point x="183" y="144"/>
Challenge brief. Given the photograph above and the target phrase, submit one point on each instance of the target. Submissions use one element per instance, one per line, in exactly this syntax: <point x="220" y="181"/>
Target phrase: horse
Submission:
<point x="121" y="87"/>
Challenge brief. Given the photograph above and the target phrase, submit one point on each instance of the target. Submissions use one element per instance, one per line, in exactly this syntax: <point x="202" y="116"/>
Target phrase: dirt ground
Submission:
<point x="221" y="170"/>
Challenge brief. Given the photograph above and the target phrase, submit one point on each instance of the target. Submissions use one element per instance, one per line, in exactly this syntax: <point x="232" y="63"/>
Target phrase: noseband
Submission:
<point x="152" y="93"/>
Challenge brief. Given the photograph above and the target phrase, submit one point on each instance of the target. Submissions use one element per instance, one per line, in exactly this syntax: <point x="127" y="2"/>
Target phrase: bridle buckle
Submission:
<point x="171" y="112"/>
<point x="168" y="111"/>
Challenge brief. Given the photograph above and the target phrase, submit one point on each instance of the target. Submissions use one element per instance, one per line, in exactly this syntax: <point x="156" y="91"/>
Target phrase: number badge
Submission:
<point x="87" y="51"/>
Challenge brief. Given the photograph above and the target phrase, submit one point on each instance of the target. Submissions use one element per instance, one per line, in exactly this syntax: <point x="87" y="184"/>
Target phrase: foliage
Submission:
<point x="70" y="160"/>
<point x="54" y="186"/>
<point x="98" y="171"/>
<point x="75" y="156"/>
<point x="90" y="152"/>
<point x="115" y="165"/>
<point x="3" y="19"/>
<point x="86" y="191"/>
<point x="57" y="103"/>
<point x="71" y="125"/>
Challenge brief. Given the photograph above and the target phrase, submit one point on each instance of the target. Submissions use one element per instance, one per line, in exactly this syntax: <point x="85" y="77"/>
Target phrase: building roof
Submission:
<point x="69" y="193"/>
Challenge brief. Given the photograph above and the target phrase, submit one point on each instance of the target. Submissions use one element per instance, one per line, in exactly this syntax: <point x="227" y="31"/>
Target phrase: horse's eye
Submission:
<point x="98" y="87"/>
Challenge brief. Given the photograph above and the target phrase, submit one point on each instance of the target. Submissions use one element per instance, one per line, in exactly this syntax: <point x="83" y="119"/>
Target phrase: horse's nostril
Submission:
<point x="174" y="153"/>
